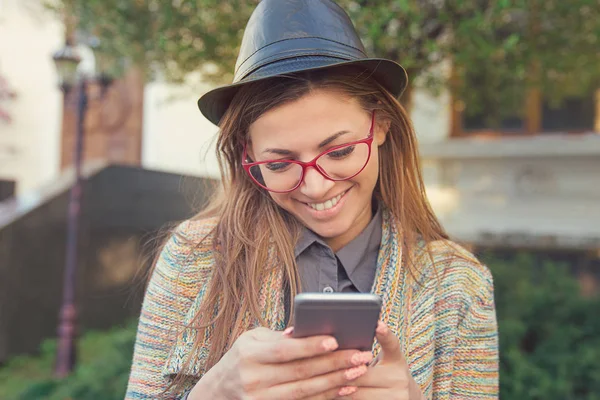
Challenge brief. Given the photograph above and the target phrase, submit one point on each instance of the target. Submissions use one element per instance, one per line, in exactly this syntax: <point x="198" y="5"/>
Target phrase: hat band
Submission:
<point x="291" y="65"/>
<point x="297" y="47"/>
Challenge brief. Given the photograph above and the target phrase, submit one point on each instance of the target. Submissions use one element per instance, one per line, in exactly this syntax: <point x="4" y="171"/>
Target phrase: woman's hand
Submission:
<point x="388" y="378"/>
<point x="264" y="364"/>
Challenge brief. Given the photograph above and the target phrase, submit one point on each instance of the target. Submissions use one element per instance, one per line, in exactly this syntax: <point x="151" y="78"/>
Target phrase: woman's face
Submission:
<point x="335" y="210"/>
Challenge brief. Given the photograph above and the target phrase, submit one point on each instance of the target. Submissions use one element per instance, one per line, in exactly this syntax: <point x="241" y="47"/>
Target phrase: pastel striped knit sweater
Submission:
<point x="446" y="322"/>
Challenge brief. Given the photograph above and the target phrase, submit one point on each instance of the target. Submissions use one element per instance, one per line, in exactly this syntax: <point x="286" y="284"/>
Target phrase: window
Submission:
<point x="537" y="116"/>
<point x="477" y="123"/>
<point x="573" y="115"/>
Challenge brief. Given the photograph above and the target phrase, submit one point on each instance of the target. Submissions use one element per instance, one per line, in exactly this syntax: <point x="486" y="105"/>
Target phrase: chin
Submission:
<point x="329" y="230"/>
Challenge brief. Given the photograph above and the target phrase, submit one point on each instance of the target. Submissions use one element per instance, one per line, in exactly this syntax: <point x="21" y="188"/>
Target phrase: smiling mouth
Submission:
<point x="326" y="205"/>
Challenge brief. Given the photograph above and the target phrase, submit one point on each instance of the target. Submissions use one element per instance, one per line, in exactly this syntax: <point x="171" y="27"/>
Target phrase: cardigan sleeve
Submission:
<point x="475" y="374"/>
<point x="163" y="311"/>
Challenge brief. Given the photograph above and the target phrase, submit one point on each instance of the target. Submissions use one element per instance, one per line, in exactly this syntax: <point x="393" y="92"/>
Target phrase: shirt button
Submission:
<point x="328" y="289"/>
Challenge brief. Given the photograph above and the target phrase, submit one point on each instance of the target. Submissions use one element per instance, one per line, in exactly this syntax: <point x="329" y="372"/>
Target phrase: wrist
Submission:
<point x="414" y="390"/>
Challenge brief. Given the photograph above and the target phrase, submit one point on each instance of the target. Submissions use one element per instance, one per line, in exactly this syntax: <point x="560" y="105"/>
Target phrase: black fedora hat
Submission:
<point x="286" y="36"/>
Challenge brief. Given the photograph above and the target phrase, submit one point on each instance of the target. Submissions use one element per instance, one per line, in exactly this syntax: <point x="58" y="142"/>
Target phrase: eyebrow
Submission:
<point x="324" y="143"/>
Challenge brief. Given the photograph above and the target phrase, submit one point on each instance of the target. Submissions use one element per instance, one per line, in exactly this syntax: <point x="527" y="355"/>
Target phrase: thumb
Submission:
<point x="390" y="345"/>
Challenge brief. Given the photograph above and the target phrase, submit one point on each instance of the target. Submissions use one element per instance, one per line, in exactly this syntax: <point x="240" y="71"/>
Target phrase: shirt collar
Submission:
<point x="307" y="238"/>
<point x="361" y="253"/>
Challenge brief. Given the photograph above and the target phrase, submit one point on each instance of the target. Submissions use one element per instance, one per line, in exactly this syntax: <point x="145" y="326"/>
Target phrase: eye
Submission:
<point x="277" y="166"/>
<point x="341" y="153"/>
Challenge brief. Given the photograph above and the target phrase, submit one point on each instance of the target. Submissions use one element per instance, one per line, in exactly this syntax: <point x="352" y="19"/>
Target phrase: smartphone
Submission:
<point x="349" y="317"/>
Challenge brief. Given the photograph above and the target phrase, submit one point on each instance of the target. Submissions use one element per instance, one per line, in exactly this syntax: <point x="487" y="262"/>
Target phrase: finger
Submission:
<point x="390" y="345"/>
<point x="384" y="376"/>
<point x="347" y="391"/>
<point x="313" y="386"/>
<point x="373" y="393"/>
<point x="332" y="393"/>
<point x="284" y="349"/>
<point x="307" y="368"/>
<point x="288" y="332"/>
<point x="373" y="378"/>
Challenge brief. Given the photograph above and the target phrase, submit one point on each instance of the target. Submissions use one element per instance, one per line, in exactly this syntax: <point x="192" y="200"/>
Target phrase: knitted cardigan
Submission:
<point x="446" y="320"/>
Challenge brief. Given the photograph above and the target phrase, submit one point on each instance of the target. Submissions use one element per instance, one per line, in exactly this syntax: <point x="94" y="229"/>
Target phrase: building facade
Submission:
<point x="533" y="184"/>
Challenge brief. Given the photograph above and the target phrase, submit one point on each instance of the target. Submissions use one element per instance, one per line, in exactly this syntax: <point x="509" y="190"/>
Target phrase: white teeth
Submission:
<point x="327" y="204"/>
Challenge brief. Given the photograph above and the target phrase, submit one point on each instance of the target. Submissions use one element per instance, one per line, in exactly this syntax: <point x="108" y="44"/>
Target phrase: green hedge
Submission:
<point x="102" y="372"/>
<point x="549" y="341"/>
<point x="549" y="333"/>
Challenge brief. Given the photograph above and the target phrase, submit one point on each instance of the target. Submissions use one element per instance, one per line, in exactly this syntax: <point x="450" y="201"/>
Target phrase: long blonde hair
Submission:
<point x="250" y="223"/>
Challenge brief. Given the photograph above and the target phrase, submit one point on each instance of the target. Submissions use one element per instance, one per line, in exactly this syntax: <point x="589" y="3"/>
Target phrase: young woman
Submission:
<point x="321" y="192"/>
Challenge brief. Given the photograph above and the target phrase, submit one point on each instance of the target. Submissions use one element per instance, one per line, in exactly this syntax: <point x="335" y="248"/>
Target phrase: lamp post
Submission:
<point x="67" y="61"/>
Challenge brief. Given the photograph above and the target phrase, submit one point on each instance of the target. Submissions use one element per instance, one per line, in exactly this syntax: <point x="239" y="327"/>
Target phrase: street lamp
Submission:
<point x="67" y="61"/>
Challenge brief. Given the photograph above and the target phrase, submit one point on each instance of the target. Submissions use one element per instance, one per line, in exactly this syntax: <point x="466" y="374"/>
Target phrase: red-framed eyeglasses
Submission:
<point x="338" y="163"/>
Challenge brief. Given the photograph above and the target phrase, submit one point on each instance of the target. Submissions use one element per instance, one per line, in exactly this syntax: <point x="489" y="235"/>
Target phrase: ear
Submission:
<point x="381" y="131"/>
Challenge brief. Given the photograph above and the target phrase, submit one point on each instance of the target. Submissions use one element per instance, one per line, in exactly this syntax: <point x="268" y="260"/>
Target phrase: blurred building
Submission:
<point x="30" y="142"/>
<point x="532" y="182"/>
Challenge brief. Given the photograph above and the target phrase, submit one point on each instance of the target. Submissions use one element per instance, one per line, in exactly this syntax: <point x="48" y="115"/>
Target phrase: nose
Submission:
<point x="315" y="185"/>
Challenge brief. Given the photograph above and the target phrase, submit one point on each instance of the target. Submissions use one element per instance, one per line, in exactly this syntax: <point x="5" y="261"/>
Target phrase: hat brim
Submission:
<point x="389" y="74"/>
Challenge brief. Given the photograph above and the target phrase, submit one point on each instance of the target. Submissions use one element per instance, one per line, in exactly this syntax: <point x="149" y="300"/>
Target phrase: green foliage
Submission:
<point x="498" y="47"/>
<point x="101" y="374"/>
<point x="549" y="344"/>
<point x="549" y="333"/>
<point x="172" y="38"/>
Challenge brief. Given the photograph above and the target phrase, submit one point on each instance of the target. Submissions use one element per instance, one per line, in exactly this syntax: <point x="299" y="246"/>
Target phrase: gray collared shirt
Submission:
<point x="351" y="269"/>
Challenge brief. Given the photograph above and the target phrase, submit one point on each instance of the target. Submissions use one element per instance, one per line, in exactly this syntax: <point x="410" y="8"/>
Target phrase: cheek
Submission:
<point x="371" y="172"/>
<point x="281" y="199"/>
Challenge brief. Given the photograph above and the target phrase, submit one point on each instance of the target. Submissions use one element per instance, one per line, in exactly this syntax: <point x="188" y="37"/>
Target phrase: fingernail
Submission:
<point x="288" y="331"/>
<point x="330" y="344"/>
<point x="346" y="390"/>
<point x="364" y="357"/>
<point x="355" y="372"/>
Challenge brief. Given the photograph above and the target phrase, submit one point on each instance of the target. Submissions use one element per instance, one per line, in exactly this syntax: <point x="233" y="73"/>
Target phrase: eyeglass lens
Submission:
<point x="338" y="164"/>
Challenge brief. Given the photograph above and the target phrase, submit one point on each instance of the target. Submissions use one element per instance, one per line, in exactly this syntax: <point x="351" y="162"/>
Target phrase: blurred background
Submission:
<point x="102" y="148"/>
